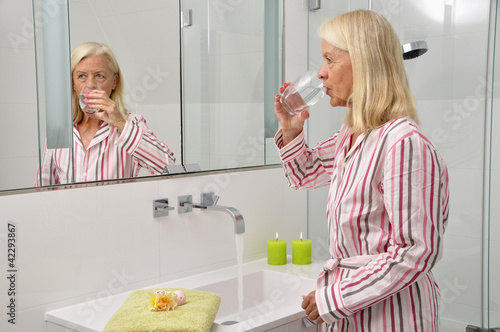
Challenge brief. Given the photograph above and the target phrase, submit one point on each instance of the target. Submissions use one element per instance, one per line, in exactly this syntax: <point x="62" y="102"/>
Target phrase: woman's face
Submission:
<point x="94" y="70"/>
<point x="336" y="73"/>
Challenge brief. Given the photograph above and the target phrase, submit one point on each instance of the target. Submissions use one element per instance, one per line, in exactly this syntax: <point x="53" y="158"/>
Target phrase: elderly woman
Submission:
<point x="388" y="200"/>
<point x="110" y="143"/>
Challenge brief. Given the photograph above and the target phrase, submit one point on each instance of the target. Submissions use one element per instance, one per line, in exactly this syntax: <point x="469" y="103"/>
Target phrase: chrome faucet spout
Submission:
<point x="239" y="222"/>
<point x="209" y="202"/>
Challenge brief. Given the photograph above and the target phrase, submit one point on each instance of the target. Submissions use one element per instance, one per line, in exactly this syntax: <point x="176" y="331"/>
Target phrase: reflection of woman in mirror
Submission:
<point x="110" y="143"/>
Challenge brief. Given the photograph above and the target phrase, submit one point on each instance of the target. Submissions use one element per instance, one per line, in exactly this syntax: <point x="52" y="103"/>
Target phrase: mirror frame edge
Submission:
<point x="11" y="192"/>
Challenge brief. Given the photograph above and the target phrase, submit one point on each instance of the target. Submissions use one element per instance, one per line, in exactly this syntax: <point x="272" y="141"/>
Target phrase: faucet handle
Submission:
<point x="209" y="198"/>
<point x="161" y="208"/>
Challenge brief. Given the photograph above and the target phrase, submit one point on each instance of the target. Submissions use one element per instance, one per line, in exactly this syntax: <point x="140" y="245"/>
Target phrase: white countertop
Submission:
<point x="93" y="316"/>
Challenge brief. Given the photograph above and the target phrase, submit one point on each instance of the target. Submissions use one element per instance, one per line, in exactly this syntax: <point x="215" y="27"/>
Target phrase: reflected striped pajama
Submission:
<point x="388" y="198"/>
<point x="110" y="155"/>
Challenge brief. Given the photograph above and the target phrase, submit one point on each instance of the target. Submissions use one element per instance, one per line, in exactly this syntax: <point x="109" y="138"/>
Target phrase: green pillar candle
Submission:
<point x="301" y="251"/>
<point x="276" y="251"/>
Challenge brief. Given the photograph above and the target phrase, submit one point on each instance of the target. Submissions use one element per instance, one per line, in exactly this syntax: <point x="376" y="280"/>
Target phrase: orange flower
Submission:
<point x="162" y="301"/>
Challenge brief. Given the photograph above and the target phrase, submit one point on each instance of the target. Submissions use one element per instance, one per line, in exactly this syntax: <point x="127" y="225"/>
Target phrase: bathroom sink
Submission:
<point x="269" y="298"/>
<point x="272" y="296"/>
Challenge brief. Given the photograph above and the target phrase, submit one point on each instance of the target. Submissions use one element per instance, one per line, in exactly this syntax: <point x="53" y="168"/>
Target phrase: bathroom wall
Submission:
<point x="89" y="243"/>
<point x="79" y="244"/>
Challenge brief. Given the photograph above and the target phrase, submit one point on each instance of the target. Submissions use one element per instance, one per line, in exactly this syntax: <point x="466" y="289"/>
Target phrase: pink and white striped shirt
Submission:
<point x="387" y="211"/>
<point x="110" y="155"/>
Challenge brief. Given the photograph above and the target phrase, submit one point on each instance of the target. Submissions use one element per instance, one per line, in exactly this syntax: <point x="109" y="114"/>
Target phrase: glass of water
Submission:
<point x="302" y="93"/>
<point x="83" y="105"/>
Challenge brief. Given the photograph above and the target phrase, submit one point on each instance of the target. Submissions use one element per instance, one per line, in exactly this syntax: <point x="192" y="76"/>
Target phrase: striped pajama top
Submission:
<point x="110" y="155"/>
<point x="387" y="203"/>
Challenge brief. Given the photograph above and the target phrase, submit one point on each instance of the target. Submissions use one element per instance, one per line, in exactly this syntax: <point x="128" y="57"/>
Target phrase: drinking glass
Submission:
<point x="83" y="105"/>
<point x="302" y="93"/>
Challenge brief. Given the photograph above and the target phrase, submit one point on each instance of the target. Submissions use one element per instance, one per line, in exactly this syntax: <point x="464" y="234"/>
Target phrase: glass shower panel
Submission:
<point x="448" y="83"/>
<point x="223" y="55"/>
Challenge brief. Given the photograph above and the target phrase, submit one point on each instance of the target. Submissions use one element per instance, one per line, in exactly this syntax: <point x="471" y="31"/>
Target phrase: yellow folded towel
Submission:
<point x="197" y="314"/>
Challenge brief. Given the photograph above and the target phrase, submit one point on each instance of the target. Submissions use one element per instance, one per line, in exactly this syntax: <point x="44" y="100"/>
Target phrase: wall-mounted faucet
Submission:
<point x="209" y="202"/>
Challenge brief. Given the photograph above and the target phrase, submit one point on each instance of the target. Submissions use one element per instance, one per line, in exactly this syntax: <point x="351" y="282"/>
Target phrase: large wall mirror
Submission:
<point x="199" y="72"/>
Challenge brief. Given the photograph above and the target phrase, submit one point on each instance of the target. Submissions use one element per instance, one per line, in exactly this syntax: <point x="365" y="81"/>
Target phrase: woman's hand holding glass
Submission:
<point x="107" y="110"/>
<point x="291" y="124"/>
<point x="84" y="93"/>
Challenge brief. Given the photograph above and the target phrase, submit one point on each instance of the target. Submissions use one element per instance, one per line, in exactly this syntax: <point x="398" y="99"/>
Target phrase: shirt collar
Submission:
<point x="101" y="134"/>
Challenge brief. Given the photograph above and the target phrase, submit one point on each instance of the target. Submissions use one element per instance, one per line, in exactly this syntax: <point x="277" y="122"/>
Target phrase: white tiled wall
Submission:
<point x="88" y="243"/>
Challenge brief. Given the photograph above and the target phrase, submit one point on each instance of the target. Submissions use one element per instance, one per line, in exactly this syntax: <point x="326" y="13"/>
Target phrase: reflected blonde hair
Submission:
<point x="380" y="90"/>
<point x="89" y="49"/>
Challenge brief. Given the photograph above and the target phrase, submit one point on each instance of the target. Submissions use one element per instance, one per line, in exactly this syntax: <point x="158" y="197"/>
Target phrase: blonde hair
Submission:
<point x="89" y="49"/>
<point x="380" y="90"/>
